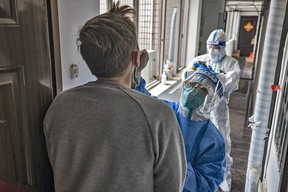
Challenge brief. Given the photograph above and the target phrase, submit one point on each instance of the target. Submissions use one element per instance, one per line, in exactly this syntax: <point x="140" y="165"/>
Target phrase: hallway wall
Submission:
<point x="272" y="178"/>
<point x="209" y="20"/>
<point x="273" y="162"/>
<point x="193" y="30"/>
<point x="72" y="16"/>
<point x="263" y="107"/>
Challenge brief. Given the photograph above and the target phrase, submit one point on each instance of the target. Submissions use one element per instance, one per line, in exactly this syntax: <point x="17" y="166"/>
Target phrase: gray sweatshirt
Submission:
<point x="102" y="137"/>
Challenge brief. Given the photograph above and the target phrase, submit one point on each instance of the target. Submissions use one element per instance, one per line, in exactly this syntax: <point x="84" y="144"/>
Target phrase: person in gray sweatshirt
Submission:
<point x="104" y="136"/>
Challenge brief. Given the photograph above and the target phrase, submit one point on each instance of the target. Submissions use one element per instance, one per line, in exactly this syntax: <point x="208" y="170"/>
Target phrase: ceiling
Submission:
<point x="244" y="5"/>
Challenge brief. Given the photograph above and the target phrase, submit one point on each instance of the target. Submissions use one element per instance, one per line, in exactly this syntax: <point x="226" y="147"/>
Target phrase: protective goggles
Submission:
<point x="208" y="76"/>
<point x="196" y="85"/>
<point x="216" y="43"/>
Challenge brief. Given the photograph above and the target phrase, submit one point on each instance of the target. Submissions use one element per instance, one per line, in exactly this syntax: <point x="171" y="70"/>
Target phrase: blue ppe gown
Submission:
<point x="205" y="150"/>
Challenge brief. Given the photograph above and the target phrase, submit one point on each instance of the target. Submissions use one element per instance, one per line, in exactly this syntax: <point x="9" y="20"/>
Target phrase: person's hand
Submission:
<point x="144" y="58"/>
<point x="205" y="67"/>
<point x="197" y="64"/>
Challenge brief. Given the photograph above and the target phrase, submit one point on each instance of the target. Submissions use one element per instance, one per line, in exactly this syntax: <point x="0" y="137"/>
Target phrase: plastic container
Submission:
<point x="163" y="78"/>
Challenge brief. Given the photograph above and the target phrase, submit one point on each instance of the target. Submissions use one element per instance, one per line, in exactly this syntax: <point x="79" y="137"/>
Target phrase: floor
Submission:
<point x="240" y="133"/>
<point x="240" y="137"/>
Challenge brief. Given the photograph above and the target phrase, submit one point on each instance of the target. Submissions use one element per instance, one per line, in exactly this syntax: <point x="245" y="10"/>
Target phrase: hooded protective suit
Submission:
<point x="204" y="144"/>
<point x="228" y="72"/>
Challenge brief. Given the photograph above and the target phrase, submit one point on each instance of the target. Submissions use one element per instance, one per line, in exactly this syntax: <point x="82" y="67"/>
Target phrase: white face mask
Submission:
<point x="216" y="54"/>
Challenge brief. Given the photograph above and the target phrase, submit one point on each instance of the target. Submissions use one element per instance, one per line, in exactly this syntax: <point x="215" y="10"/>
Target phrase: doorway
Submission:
<point x="26" y="91"/>
<point x="247" y="31"/>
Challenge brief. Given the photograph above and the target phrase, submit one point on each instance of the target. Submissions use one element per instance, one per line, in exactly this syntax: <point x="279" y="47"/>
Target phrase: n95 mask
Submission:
<point x="192" y="97"/>
<point x="216" y="54"/>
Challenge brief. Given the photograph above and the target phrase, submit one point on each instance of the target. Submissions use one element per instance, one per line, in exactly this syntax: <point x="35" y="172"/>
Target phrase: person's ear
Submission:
<point x="136" y="58"/>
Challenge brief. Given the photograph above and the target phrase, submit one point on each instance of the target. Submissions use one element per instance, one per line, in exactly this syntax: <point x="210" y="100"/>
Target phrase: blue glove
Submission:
<point x="201" y="64"/>
<point x="196" y="64"/>
<point x="207" y="68"/>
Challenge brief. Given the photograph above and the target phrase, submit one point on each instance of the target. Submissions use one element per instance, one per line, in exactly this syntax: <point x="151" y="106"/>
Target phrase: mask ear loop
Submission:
<point x="190" y="113"/>
<point x="134" y="82"/>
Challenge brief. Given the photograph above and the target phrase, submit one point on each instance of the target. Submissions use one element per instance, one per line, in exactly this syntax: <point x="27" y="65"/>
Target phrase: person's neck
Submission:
<point x="119" y="80"/>
<point x="125" y="79"/>
<point x="196" y="114"/>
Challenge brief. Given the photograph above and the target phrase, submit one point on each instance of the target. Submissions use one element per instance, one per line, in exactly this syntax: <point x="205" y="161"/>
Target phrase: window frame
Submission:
<point x="182" y="37"/>
<point x="280" y="120"/>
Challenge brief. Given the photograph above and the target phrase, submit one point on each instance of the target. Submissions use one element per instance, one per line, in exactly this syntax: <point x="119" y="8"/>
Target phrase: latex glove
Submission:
<point x="195" y="65"/>
<point x="192" y="68"/>
<point x="207" y="68"/>
<point x="144" y="58"/>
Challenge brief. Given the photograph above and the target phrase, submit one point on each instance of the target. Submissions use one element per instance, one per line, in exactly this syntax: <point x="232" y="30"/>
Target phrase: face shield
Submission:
<point x="202" y="92"/>
<point x="216" y="45"/>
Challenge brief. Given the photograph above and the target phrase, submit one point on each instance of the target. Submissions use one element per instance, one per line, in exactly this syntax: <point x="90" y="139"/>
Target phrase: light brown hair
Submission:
<point x="108" y="40"/>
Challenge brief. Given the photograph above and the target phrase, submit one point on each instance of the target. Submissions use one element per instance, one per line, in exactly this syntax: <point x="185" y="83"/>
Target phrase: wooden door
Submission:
<point x="247" y="31"/>
<point x="26" y="91"/>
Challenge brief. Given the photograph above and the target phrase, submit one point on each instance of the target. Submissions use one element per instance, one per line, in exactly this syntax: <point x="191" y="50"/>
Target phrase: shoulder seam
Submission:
<point x="149" y="127"/>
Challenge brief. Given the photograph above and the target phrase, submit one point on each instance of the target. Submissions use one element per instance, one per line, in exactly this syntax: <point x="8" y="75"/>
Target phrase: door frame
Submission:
<point x="240" y="27"/>
<point x="54" y="36"/>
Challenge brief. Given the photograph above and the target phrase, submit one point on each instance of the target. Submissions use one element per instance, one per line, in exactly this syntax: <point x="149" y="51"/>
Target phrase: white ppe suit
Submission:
<point x="228" y="72"/>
